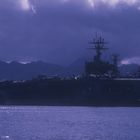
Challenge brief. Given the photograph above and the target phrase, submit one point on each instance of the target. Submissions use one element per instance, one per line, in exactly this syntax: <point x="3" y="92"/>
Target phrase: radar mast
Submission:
<point x="98" y="44"/>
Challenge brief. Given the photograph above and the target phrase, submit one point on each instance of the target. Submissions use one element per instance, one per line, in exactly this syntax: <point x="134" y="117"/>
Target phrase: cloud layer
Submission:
<point x="58" y="31"/>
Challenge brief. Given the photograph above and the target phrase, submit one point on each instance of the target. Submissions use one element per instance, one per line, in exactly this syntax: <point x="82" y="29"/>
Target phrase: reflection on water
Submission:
<point x="69" y="123"/>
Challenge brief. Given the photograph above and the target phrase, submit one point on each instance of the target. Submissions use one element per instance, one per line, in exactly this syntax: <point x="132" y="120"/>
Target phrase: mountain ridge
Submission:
<point x="17" y="71"/>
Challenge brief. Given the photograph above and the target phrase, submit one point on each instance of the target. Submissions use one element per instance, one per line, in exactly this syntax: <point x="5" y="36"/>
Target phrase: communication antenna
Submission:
<point x="98" y="44"/>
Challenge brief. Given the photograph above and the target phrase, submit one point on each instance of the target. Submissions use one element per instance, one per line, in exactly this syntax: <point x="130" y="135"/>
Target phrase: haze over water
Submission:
<point x="69" y="123"/>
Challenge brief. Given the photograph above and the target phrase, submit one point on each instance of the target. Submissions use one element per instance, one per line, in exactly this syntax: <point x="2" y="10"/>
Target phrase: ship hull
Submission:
<point x="81" y="92"/>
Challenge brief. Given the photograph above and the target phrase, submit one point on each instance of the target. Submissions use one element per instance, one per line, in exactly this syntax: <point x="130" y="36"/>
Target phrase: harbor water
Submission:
<point x="69" y="123"/>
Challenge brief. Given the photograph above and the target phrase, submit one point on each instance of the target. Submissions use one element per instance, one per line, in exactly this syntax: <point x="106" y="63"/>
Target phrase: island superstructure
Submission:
<point x="97" y="67"/>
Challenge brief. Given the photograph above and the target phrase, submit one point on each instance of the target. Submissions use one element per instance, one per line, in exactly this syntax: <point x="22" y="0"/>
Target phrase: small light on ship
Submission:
<point x="5" y="137"/>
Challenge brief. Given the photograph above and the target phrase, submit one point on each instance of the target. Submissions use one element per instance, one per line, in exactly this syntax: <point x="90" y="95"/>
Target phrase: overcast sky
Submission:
<point x="58" y="31"/>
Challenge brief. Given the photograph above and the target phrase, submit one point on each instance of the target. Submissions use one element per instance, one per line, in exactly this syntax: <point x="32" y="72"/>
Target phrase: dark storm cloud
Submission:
<point x="59" y="32"/>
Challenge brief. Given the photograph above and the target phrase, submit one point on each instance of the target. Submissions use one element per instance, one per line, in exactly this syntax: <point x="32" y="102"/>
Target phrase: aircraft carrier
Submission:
<point x="101" y="85"/>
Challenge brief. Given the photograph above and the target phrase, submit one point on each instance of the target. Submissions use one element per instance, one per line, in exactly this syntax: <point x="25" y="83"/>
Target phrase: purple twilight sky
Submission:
<point x="58" y="31"/>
